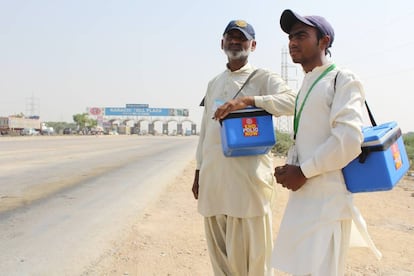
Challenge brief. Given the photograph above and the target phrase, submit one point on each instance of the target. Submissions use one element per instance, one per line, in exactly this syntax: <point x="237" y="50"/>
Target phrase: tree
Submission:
<point x="83" y="120"/>
<point x="409" y="147"/>
<point x="59" y="126"/>
<point x="19" y="115"/>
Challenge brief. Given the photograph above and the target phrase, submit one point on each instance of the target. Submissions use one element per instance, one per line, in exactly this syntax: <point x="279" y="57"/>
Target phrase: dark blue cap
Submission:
<point x="290" y="18"/>
<point x="242" y="26"/>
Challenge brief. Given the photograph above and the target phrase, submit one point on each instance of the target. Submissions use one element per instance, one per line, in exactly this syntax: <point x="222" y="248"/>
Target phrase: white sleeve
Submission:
<point x="345" y="119"/>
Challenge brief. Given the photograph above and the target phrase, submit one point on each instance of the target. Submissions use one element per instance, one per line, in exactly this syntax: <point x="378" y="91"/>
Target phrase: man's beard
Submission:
<point x="237" y="55"/>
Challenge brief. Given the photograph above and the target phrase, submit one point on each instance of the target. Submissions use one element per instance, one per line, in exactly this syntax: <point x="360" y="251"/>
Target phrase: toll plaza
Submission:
<point x="142" y="119"/>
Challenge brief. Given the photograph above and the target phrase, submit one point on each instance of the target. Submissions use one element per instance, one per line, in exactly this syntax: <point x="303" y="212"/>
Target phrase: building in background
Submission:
<point x="19" y="125"/>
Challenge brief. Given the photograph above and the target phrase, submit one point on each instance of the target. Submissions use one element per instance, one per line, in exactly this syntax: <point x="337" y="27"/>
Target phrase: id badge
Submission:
<point x="217" y="104"/>
<point x="292" y="156"/>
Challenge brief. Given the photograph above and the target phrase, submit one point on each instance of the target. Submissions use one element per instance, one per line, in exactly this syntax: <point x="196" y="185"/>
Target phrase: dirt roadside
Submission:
<point x="168" y="238"/>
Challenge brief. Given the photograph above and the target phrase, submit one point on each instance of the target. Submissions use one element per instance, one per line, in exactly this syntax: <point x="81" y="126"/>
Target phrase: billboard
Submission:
<point x="123" y="111"/>
<point x="95" y="111"/>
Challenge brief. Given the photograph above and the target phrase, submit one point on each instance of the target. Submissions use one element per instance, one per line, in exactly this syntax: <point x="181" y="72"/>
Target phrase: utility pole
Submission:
<point x="285" y="123"/>
<point x="32" y="106"/>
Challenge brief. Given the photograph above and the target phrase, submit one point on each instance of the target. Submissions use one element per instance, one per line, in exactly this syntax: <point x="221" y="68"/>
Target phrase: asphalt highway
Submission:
<point x="63" y="199"/>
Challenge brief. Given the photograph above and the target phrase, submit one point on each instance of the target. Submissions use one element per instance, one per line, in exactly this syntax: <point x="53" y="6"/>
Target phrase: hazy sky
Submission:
<point x="73" y="54"/>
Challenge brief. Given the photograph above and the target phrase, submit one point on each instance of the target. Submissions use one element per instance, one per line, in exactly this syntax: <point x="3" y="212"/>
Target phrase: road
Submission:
<point x="64" y="199"/>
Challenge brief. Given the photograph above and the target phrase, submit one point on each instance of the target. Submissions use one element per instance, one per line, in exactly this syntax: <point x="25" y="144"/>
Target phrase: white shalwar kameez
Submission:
<point x="320" y="216"/>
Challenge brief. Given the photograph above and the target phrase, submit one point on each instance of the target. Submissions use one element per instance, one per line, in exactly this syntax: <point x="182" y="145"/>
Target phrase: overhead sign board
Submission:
<point x="122" y="111"/>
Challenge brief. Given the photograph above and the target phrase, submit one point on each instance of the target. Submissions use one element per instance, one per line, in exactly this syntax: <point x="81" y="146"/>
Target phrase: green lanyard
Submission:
<point x="297" y="116"/>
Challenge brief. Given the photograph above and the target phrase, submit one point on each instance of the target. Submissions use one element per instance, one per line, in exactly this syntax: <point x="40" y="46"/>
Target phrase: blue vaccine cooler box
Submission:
<point x="246" y="132"/>
<point x="382" y="163"/>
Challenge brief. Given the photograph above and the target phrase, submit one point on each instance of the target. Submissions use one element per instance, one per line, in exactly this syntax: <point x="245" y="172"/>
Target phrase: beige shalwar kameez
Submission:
<point x="235" y="193"/>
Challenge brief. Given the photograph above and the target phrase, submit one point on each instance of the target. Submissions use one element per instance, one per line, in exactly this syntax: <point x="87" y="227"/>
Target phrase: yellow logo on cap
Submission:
<point x="241" y="23"/>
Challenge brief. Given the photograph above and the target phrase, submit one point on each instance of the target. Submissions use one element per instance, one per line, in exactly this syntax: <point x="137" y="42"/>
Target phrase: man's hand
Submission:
<point x="232" y="105"/>
<point x="195" y="184"/>
<point x="290" y="176"/>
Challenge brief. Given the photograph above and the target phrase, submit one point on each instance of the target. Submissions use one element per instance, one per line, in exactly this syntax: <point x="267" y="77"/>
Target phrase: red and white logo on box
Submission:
<point x="396" y="155"/>
<point x="250" y="127"/>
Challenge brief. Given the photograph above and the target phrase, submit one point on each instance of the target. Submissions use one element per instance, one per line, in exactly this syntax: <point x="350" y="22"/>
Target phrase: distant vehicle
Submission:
<point x="113" y="132"/>
<point x="29" y="132"/>
<point x="45" y="130"/>
<point x="67" y="130"/>
<point x="97" y="130"/>
<point x="48" y="131"/>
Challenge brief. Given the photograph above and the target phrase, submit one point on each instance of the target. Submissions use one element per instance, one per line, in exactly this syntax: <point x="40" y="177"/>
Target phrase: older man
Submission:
<point x="234" y="193"/>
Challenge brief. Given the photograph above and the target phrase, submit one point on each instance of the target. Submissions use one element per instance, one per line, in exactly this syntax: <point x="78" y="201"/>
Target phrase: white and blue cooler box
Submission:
<point x="246" y="132"/>
<point x="382" y="163"/>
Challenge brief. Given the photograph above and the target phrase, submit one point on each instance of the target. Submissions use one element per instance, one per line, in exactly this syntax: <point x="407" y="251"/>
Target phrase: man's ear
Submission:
<point x="325" y="42"/>
<point x="222" y="42"/>
<point x="253" y="45"/>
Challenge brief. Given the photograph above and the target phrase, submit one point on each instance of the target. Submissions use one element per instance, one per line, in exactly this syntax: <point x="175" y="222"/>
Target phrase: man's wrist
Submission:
<point x="248" y="100"/>
<point x="301" y="172"/>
